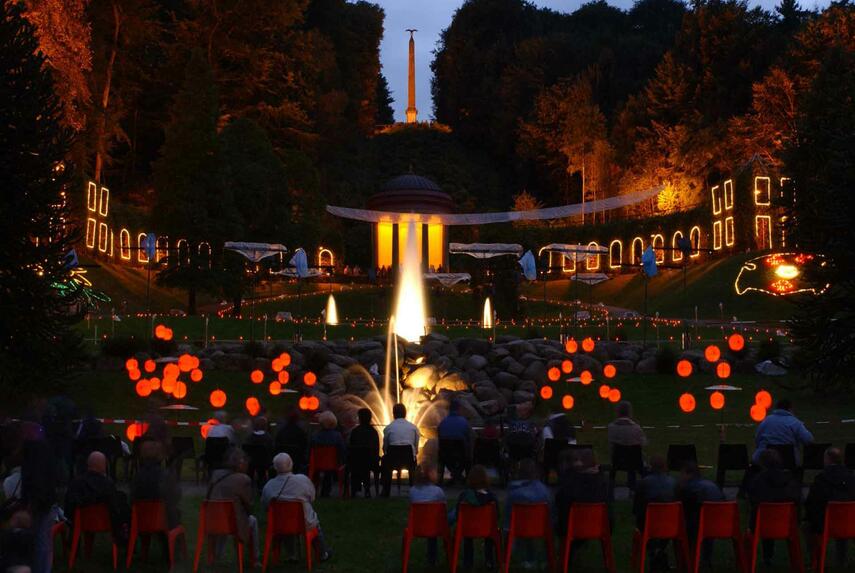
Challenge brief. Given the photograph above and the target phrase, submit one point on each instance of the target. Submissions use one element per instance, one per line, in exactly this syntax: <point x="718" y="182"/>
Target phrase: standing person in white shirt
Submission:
<point x="401" y="432"/>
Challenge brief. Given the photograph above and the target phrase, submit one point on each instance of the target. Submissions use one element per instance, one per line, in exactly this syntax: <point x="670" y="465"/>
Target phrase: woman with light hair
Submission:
<point x="288" y="486"/>
<point x="329" y="435"/>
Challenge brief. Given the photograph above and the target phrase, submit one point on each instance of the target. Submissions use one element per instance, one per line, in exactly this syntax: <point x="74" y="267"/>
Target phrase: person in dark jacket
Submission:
<point x="94" y="486"/>
<point x="477" y="493"/>
<point x="656" y="487"/>
<point x="154" y="483"/>
<point x="293" y="439"/>
<point x="772" y="484"/>
<point x="580" y="481"/>
<point x="259" y="448"/>
<point x="365" y="435"/>
<point x="835" y="482"/>
<point x="693" y="490"/>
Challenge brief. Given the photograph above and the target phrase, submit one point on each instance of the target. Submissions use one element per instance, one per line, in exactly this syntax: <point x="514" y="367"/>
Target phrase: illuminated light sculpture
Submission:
<point x="676" y="253"/>
<point x="180" y="391"/>
<point x="143" y="388"/>
<point x="256" y="376"/>
<point x="716" y="235"/>
<point x="567" y="366"/>
<point x="275" y="388"/>
<point x="586" y="378"/>
<point x="614" y="395"/>
<point x="687" y="402"/>
<point x="722" y="370"/>
<point x="729" y="232"/>
<point x="283" y="377"/>
<point x="588" y="344"/>
<point x="757" y="413"/>
<point x="615" y="254"/>
<point x="253" y="406"/>
<point x="132" y="364"/>
<point x="90" y="232"/>
<point x="717" y="400"/>
<point x="571" y="346"/>
<point x="149" y="365"/>
<point x="546" y="392"/>
<point x="196" y="375"/>
<point x="763" y="232"/>
<point x="684" y="368"/>
<point x="218" y="398"/>
<point x="592" y="262"/>
<point x="142" y="257"/>
<point x="92" y="197"/>
<point x="325" y="257"/>
<point x="604" y="391"/>
<point x="658" y="243"/>
<point x="779" y="274"/>
<point x="635" y="250"/>
<point x="567" y="402"/>
<point x="185" y="363"/>
<point x="716" y="200"/>
<point x="712" y="353"/>
<point x="554" y="374"/>
<point x="762" y="191"/>
<point x="125" y="245"/>
<point x="161" y="250"/>
<point x="309" y="378"/>
<point x="609" y="371"/>
<point x="763" y="398"/>
<point x="695" y="239"/>
<point x="728" y="195"/>
<point x="736" y="342"/>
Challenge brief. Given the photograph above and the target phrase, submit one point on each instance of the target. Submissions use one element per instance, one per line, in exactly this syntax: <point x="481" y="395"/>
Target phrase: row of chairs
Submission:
<point x="663" y="521"/>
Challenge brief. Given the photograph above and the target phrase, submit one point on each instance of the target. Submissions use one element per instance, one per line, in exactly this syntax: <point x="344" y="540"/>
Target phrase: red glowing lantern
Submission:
<point x="207" y="426"/>
<point x="194" y="362"/>
<point x="722" y="370"/>
<point x="546" y="392"/>
<point x="309" y="378"/>
<point x="571" y="346"/>
<point x="717" y="400"/>
<point x="687" y="403"/>
<point x="168" y="385"/>
<point x="585" y="377"/>
<point x="172" y="371"/>
<point x="275" y="388"/>
<point x="553" y="374"/>
<point x="758" y="413"/>
<point x="567" y="366"/>
<point x="764" y="399"/>
<point x="609" y="371"/>
<point x="180" y="391"/>
<point x="314" y="403"/>
<point x="218" y="398"/>
<point x="684" y="368"/>
<point x="252" y="406"/>
<point x="185" y="363"/>
<point x="284" y="377"/>
<point x="286" y="359"/>
<point x="614" y="395"/>
<point x="136" y="430"/>
<point x="149" y="366"/>
<point x="154" y="383"/>
<point x="143" y="388"/>
<point x="303" y="403"/>
<point x="167" y="334"/>
<point x="257" y="376"/>
<point x="712" y="353"/>
<point x="588" y="344"/>
<point x="196" y="375"/>
<point x="567" y="402"/>
<point x="604" y="392"/>
<point x="132" y="364"/>
<point x="276" y="365"/>
<point x="134" y="374"/>
<point x="160" y="331"/>
<point x="736" y="342"/>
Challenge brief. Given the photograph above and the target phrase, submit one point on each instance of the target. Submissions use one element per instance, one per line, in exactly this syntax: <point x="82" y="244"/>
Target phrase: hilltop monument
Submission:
<point x="412" y="112"/>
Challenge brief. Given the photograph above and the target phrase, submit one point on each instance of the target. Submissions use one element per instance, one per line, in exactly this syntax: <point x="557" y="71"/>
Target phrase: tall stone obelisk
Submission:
<point x="412" y="112"/>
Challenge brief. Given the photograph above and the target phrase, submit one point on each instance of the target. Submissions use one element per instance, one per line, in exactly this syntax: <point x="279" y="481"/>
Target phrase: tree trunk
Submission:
<point x="101" y="137"/>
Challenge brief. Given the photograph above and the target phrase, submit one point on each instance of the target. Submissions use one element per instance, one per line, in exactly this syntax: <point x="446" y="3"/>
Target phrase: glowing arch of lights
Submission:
<point x="695" y="239"/>
<point x="676" y="253"/>
<point x="592" y="262"/>
<point x="633" y="257"/>
<point x="125" y="244"/>
<point x="658" y="242"/>
<point x="614" y="262"/>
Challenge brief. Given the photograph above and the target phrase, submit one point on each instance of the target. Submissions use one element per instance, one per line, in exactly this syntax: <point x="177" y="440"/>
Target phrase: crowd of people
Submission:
<point x="39" y="493"/>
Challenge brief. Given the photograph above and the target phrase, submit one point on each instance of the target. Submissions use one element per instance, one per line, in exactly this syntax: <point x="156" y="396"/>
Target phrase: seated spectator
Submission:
<point x="38" y="496"/>
<point x="364" y="435"/>
<point x="401" y="432"/>
<point x="526" y="488"/>
<point x="94" y="486"/>
<point x="656" y="487"/>
<point x="579" y="481"/>
<point x="154" y="483"/>
<point x="456" y="427"/>
<point x="288" y="486"/>
<point x="293" y="439"/>
<point x="521" y="439"/>
<point x="329" y="435"/>
<point x="425" y="490"/>
<point x="17" y="544"/>
<point x="478" y="494"/>
<point x="559" y="427"/>
<point x="772" y="483"/>
<point x="259" y="446"/>
<point x="222" y="429"/>
<point x="781" y="427"/>
<point x="693" y="490"/>
<point x="835" y="482"/>
<point x="232" y="483"/>
<point x="12" y="483"/>
<point x="624" y="431"/>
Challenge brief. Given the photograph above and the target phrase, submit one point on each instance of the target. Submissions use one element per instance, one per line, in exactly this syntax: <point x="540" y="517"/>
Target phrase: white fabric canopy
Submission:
<point x="485" y="250"/>
<point x="292" y="273"/>
<point x="590" y="278"/>
<point x="448" y="279"/>
<point x="575" y="252"/>
<point x="370" y="216"/>
<point x="255" y="251"/>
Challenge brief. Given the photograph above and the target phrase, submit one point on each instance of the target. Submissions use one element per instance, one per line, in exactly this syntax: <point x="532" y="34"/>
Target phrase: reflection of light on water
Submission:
<point x="331" y="316"/>
<point x="487" y="316"/>
<point x="410" y="301"/>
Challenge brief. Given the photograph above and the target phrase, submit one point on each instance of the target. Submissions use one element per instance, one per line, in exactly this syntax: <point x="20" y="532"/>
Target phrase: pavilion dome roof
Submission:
<point x="411" y="193"/>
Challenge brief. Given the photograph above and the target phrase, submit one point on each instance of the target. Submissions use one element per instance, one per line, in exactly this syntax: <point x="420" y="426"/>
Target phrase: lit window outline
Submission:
<point x="161" y="252"/>
<point x="182" y="244"/>
<point x="92" y="197"/>
<point x="102" y="237"/>
<point x="729" y="232"/>
<point x="632" y="250"/>
<point x="659" y="251"/>
<point x="104" y="202"/>
<point x="321" y="252"/>
<point x="696" y="245"/>
<point x="142" y="256"/>
<point x="757" y="219"/>
<point x="612" y="264"/>
<point x="728" y="195"/>
<point x="595" y="258"/>
<point x="676" y="253"/>
<point x="758" y="191"/>
<point x="716" y="200"/>
<point x="716" y="236"/>
<point x="125" y="244"/>
<point x="112" y="244"/>
<point x="90" y="232"/>
<point x="564" y="259"/>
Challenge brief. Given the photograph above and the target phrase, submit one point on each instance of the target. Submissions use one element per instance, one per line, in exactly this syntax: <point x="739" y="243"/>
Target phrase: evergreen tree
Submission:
<point x="36" y="343"/>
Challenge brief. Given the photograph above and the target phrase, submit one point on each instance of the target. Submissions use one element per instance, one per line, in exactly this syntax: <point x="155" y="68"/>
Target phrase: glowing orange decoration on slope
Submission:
<point x="614" y="395"/>
<point x="588" y="344"/>
<point x="758" y="413"/>
<point x="604" y="392"/>
<point x="571" y="346"/>
<point x="717" y="400"/>
<point x="160" y="332"/>
<point x="180" y="391"/>
<point x="252" y="406"/>
<point x="168" y="385"/>
<point x="554" y="374"/>
<point x="185" y="363"/>
<point x="149" y="366"/>
<point x="132" y="364"/>
<point x="567" y="366"/>
<point x="764" y="399"/>
<point x="284" y="377"/>
<point x="171" y="371"/>
<point x="196" y="375"/>
<point x="309" y="378"/>
<point x="736" y="342"/>
<point x="257" y="376"/>
<point x="546" y="392"/>
<point x="276" y="365"/>
<point x="136" y="430"/>
<point x="712" y="353"/>
<point x="567" y="402"/>
<point x="286" y="359"/>
<point x="275" y="388"/>
<point x="314" y="403"/>
<point x="134" y="374"/>
<point x="687" y="403"/>
<point x="585" y="377"/>
<point x="609" y="371"/>
<point x="218" y="398"/>
<point x="154" y="383"/>
<point x="684" y="368"/>
<point x="722" y="370"/>
<point x="143" y="388"/>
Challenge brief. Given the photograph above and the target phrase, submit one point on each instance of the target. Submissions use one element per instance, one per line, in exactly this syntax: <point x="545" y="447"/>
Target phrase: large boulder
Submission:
<point x="332" y="384"/>
<point x="646" y="365"/>
<point x="521" y="396"/>
<point x="506" y="380"/>
<point x="475" y="362"/>
<point x="623" y="366"/>
<point x="473" y="346"/>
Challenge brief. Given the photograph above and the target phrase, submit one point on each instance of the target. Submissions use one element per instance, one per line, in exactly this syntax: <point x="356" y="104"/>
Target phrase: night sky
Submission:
<point x="430" y="17"/>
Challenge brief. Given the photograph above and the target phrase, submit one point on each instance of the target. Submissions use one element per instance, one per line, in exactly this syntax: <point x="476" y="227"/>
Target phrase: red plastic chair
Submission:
<point x="720" y="520"/>
<point x="530" y="521"/>
<point x="147" y="518"/>
<point x="661" y="521"/>
<point x="476" y="522"/>
<point x="775" y="521"/>
<point x="426" y="520"/>
<point x="89" y="520"/>
<point x="839" y="524"/>
<point x="217" y="518"/>
<point x="60" y="529"/>
<point x="325" y="459"/>
<point x="589" y="521"/>
<point x="287" y="518"/>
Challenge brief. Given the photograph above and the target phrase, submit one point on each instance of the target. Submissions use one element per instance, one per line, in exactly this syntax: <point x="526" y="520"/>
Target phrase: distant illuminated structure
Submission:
<point x="412" y="112"/>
